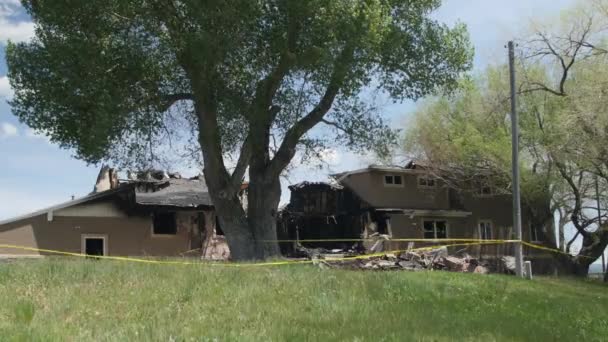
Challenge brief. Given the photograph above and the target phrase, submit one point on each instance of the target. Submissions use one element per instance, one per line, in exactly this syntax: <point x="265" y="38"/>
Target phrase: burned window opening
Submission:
<point x="435" y="229"/>
<point x="164" y="224"/>
<point x="381" y="221"/>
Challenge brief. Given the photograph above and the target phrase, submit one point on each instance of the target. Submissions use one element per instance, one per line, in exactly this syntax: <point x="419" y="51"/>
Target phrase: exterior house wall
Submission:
<point x="497" y="209"/>
<point x="370" y="187"/>
<point x="126" y="236"/>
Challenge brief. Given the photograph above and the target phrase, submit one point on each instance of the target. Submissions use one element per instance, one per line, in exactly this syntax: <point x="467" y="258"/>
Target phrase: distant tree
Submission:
<point x="111" y="79"/>
<point x="563" y="121"/>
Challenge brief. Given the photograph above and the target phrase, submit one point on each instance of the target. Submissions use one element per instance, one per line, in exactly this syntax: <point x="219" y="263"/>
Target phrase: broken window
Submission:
<point x="435" y="229"/>
<point x="426" y="182"/>
<point x="164" y="224"/>
<point x="382" y="223"/>
<point x="218" y="227"/>
<point x="485" y="230"/>
<point x="393" y="180"/>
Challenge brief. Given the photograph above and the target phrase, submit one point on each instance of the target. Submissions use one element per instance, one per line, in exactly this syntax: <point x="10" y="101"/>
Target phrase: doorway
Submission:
<point x="94" y="245"/>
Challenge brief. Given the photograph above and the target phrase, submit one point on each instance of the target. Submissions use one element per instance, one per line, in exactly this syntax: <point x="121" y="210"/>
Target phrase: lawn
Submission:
<point x="77" y="300"/>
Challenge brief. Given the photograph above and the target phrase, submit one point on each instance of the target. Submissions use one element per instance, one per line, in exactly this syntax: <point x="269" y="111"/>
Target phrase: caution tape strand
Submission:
<point x="460" y="242"/>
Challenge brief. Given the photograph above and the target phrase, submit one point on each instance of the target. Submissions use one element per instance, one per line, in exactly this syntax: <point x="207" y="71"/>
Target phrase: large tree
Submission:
<point x="109" y="79"/>
<point x="563" y="110"/>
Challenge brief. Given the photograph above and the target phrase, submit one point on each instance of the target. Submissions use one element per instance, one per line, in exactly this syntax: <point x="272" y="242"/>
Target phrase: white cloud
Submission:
<point x="5" y="88"/>
<point x="15" y="31"/>
<point x="11" y="29"/>
<point x="330" y="156"/>
<point x="8" y="130"/>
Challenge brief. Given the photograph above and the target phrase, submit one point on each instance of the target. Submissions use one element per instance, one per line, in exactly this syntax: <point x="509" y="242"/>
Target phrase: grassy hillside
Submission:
<point x="104" y="300"/>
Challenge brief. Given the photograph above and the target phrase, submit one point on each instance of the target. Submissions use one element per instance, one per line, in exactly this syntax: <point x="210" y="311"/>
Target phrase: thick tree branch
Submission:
<point x="577" y="210"/>
<point x="170" y="100"/>
<point x="569" y="244"/>
<point x="267" y="87"/>
<point x="288" y="147"/>
<point x="241" y="165"/>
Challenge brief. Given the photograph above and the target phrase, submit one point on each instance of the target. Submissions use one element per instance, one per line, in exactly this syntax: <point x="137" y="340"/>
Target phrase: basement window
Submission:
<point x="435" y="229"/>
<point x="164" y="224"/>
<point x="393" y="180"/>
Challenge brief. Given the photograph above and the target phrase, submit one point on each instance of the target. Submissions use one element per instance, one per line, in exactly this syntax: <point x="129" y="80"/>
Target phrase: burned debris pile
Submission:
<point x="436" y="259"/>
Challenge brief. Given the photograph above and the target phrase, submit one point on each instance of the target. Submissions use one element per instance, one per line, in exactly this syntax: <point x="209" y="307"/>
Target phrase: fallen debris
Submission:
<point x="436" y="259"/>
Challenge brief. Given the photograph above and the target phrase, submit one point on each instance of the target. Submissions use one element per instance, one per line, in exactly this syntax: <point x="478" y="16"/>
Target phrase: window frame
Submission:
<point x="83" y="242"/>
<point x="491" y="228"/>
<point x="154" y="234"/>
<point x="393" y="176"/>
<point x="447" y="228"/>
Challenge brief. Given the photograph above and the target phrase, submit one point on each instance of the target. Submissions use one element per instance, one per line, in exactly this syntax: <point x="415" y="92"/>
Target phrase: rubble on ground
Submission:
<point x="323" y="253"/>
<point x="436" y="259"/>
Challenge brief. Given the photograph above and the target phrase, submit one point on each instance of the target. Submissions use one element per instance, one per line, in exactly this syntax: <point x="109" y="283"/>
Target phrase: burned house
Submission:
<point x="147" y="214"/>
<point x="319" y="211"/>
<point x="393" y="203"/>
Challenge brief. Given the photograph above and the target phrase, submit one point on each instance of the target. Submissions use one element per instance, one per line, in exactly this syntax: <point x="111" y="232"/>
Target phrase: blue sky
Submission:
<point x="35" y="173"/>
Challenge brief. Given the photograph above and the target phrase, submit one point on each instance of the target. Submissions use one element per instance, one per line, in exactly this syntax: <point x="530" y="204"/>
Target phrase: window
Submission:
<point x="485" y="229"/>
<point x="164" y="224"/>
<point x="435" y="229"/>
<point x="426" y="182"/>
<point x="393" y="180"/>
<point x="94" y="244"/>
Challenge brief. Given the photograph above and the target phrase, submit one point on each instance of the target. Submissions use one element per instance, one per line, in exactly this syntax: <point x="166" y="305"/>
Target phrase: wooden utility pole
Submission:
<point x="515" y="165"/>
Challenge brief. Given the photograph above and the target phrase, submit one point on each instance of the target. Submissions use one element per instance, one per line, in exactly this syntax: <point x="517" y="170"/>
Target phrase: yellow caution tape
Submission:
<point x="387" y="239"/>
<point x="461" y="242"/>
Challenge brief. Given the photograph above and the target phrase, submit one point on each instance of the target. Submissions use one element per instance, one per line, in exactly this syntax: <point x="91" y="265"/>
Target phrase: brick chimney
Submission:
<point x="106" y="180"/>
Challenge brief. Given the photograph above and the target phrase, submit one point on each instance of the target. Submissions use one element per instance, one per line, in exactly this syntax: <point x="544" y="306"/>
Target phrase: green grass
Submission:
<point x="77" y="300"/>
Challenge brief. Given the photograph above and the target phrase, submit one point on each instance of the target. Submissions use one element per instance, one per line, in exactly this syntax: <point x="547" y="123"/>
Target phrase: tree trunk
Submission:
<point x="250" y="236"/>
<point x="593" y="245"/>
<point x="263" y="200"/>
<point x="234" y="225"/>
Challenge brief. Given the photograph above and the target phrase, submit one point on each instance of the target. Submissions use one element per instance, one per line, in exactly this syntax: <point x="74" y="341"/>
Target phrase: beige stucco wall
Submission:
<point x="406" y="227"/>
<point x="125" y="236"/>
<point x="370" y="186"/>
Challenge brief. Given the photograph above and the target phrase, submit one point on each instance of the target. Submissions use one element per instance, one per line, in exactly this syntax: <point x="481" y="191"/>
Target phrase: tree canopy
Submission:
<point x="239" y="79"/>
<point x="561" y="74"/>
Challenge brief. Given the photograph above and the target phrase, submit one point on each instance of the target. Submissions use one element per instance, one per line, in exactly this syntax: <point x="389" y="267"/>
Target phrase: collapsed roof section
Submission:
<point x="306" y="184"/>
<point x="170" y="192"/>
<point x="182" y="193"/>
